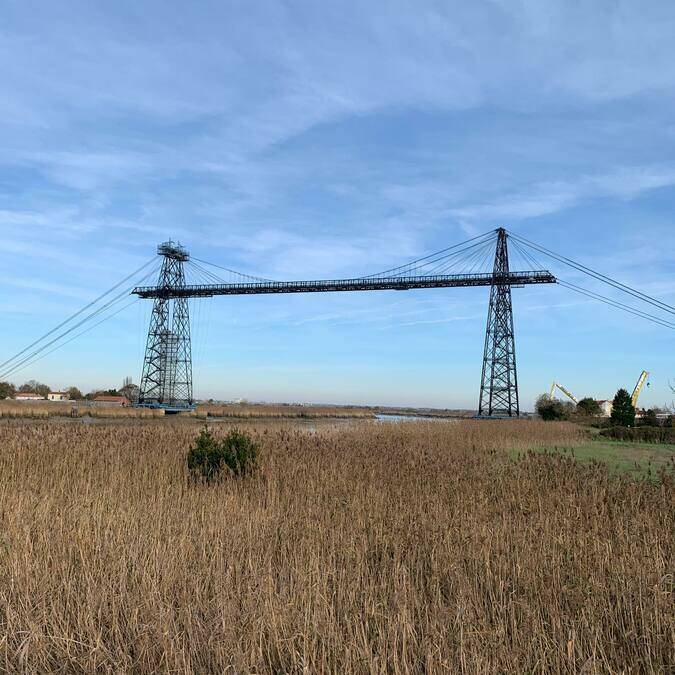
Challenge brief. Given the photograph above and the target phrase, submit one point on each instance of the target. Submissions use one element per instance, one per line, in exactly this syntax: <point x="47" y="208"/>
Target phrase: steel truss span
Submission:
<point x="341" y="285"/>
<point x="167" y="367"/>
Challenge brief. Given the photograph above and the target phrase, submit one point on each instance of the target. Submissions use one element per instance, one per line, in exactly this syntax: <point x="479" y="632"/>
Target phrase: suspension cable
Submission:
<point x="117" y="298"/>
<point x="227" y="269"/>
<point x="597" y="296"/>
<point x="615" y="303"/>
<point x="39" y="357"/>
<point x="598" y="275"/>
<point x="80" y="311"/>
<point x="431" y="255"/>
<point x="449" y="261"/>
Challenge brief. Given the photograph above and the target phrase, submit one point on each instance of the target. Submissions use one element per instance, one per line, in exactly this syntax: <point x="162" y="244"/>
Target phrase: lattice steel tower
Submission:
<point x="499" y="383"/>
<point x="167" y="368"/>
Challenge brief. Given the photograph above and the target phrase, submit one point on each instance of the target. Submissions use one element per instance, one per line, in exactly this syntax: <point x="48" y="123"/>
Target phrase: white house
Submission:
<point x="58" y="396"/>
<point x="606" y="408"/>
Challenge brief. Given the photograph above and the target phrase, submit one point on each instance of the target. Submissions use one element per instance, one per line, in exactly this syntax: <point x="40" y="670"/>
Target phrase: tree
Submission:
<point x="33" y="386"/>
<point x="623" y="412"/>
<point x="130" y="390"/>
<point x="588" y="406"/>
<point x="74" y="394"/>
<point x="650" y="418"/>
<point x="7" y="390"/>
<point x="550" y="409"/>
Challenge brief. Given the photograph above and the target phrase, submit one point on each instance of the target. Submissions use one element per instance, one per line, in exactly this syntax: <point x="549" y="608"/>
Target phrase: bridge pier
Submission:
<point x="166" y="381"/>
<point x="499" y="381"/>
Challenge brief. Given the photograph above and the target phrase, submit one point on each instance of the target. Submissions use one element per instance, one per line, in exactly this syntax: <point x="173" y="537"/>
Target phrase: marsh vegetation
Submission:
<point x="372" y="547"/>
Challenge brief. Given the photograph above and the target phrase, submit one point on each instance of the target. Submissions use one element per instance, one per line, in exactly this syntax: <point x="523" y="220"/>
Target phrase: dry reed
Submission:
<point x="369" y="548"/>
<point x="245" y="411"/>
<point x="47" y="409"/>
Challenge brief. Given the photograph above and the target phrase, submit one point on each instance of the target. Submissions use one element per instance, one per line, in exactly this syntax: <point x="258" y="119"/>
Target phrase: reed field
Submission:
<point x="247" y="411"/>
<point x="47" y="409"/>
<point x="364" y="548"/>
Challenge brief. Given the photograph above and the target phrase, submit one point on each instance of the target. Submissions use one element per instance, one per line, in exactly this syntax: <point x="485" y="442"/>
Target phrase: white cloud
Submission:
<point x="540" y="199"/>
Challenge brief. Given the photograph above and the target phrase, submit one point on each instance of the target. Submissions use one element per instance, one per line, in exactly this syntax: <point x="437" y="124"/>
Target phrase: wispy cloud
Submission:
<point x="307" y="140"/>
<point x="540" y="199"/>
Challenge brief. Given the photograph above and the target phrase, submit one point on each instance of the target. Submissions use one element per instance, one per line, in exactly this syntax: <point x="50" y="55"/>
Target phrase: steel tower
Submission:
<point x="167" y="368"/>
<point x="499" y="383"/>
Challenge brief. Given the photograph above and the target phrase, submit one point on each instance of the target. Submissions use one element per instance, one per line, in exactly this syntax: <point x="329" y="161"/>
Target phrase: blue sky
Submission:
<point x="304" y="140"/>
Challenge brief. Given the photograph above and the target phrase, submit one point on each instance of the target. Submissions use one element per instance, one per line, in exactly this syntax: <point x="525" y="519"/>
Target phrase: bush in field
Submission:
<point x="623" y="412"/>
<point x="650" y="419"/>
<point x="237" y="453"/>
<point x="550" y="409"/>
<point x="589" y="407"/>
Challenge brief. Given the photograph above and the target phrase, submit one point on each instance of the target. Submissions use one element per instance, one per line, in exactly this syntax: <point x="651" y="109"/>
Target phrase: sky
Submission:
<point x="301" y="140"/>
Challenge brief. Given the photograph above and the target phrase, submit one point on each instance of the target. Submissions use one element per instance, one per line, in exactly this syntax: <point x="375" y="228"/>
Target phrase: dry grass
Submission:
<point x="47" y="409"/>
<point x="247" y="411"/>
<point x="370" y="548"/>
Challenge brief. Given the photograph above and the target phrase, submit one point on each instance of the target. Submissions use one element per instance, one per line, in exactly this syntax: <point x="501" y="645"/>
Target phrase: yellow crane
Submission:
<point x="564" y="391"/>
<point x="638" y="387"/>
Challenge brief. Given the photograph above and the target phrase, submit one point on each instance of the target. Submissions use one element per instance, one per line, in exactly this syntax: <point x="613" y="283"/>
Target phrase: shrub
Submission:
<point x="641" y="434"/>
<point x="649" y="419"/>
<point x="236" y="452"/>
<point x="588" y="406"/>
<point x="550" y="409"/>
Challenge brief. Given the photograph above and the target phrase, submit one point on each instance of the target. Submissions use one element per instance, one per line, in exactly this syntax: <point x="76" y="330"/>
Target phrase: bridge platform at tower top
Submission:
<point x="397" y="283"/>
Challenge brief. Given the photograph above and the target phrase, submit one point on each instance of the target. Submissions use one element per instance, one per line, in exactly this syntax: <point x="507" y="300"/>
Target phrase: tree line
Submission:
<point x="10" y="390"/>
<point x="623" y="411"/>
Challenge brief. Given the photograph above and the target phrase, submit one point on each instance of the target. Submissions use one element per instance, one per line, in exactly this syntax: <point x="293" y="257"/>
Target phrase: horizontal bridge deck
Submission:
<point x="358" y="284"/>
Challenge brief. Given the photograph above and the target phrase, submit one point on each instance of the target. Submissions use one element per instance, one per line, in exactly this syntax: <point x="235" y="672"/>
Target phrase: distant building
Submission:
<point x="606" y="408"/>
<point x="119" y="401"/>
<point x="28" y="396"/>
<point x="58" y="396"/>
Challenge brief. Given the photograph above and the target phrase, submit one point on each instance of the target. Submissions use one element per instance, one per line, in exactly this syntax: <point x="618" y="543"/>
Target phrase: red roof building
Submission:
<point x="121" y="401"/>
<point x="28" y="396"/>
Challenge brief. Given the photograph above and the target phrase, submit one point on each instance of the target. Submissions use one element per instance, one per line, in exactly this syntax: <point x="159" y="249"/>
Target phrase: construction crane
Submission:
<point x="564" y="391"/>
<point x="638" y="387"/>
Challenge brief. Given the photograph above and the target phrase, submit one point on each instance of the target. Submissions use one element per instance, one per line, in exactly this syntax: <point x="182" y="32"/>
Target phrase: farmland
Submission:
<point x="419" y="547"/>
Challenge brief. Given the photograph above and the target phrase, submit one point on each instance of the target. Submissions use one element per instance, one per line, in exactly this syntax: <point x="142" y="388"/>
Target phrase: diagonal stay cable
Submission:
<point x="442" y="258"/>
<point x="617" y="304"/>
<point x="204" y="276"/>
<point x="597" y="275"/>
<point x="63" y="344"/>
<point x="427" y="257"/>
<point x="476" y="261"/>
<point x="69" y="330"/>
<point x="457" y="258"/>
<point x="80" y="311"/>
<point x="529" y="258"/>
<point x="118" y="298"/>
<point x="227" y="269"/>
<point x="601" y="298"/>
<point x="450" y="260"/>
<point x="461" y="266"/>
